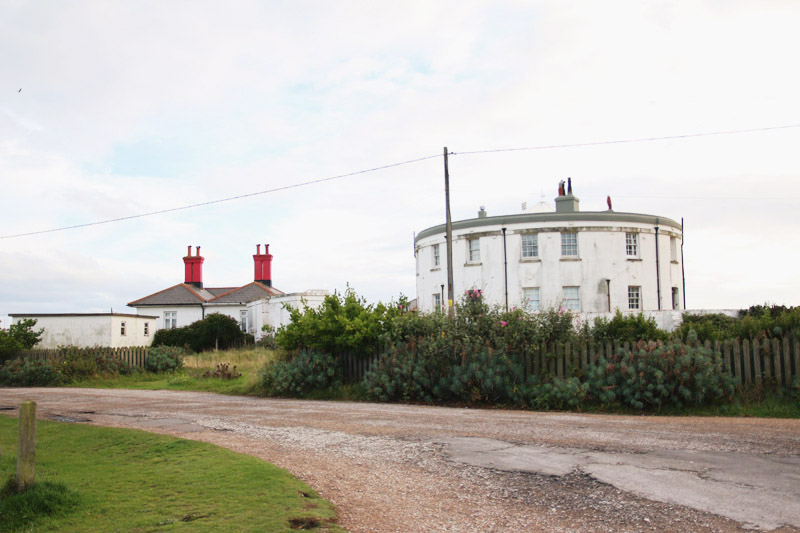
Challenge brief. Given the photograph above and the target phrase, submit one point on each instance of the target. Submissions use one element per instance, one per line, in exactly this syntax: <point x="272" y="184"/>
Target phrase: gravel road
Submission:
<point x="416" y="468"/>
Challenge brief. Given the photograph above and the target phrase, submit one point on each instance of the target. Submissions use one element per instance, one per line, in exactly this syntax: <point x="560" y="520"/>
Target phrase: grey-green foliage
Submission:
<point x="655" y="374"/>
<point x="305" y="372"/>
<point x="164" y="359"/>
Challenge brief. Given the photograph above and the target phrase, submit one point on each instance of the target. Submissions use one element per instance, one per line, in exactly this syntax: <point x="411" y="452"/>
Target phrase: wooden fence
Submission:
<point x="773" y="361"/>
<point x="135" y="356"/>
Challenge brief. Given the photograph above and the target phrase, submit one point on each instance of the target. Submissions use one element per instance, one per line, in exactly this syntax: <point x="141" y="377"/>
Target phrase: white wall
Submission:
<point x="89" y="330"/>
<point x="186" y="314"/>
<point x="601" y="256"/>
<point x="273" y="312"/>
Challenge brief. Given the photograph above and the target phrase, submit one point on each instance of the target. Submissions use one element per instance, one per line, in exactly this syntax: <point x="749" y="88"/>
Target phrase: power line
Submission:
<point x="621" y="141"/>
<point x="230" y="198"/>
<point x="383" y="167"/>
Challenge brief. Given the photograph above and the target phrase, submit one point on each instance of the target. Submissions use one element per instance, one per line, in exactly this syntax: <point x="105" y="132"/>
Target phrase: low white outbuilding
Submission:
<point x="590" y="261"/>
<point x="87" y="330"/>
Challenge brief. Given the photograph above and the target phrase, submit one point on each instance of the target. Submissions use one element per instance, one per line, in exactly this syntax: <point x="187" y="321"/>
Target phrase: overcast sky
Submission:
<point x="134" y="107"/>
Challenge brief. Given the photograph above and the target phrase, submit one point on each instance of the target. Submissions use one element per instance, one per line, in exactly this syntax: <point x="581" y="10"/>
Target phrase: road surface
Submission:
<point x="418" y="468"/>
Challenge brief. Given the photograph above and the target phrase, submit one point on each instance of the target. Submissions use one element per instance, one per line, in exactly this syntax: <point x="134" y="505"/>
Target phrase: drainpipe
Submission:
<point x="505" y="266"/>
<point x="683" y="272"/>
<point x="658" y="273"/>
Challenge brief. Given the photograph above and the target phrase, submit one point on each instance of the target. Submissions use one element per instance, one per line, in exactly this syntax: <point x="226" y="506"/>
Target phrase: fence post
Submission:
<point x="756" y="361"/>
<point x="26" y="445"/>
<point x="787" y="362"/>
<point x="776" y="361"/>
<point x="747" y="356"/>
<point x="737" y="362"/>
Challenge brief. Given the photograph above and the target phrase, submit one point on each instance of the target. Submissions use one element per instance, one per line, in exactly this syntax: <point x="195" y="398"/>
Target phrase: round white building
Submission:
<point x="592" y="261"/>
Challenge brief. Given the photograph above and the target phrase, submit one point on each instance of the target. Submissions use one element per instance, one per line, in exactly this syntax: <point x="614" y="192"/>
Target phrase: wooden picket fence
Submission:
<point x="765" y="361"/>
<point x="135" y="356"/>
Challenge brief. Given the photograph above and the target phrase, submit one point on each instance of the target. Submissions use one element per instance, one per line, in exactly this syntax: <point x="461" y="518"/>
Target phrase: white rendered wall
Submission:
<point x="91" y="330"/>
<point x="272" y="311"/>
<point x="185" y="314"/>
<point x="601" y="256"/>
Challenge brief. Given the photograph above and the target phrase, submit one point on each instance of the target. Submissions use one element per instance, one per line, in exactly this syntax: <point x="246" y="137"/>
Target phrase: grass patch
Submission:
<point x="248" y="362"/>
<point x="106" y="479"/>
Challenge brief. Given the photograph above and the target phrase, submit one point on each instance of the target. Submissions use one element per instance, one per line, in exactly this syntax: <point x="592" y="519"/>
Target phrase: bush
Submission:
<point x="756" y="322"/>
<point x="408" y="374"/>
<point x="654" y="374"/>
<point x="487" y="377"/>
<point x="631" y="328"/>
<point x="560" y="393"/>
<point x="19" y="336"/>
<point x="28" y="373"/>
<point x="216" y="331"/>
<point x="164" y="359"/>
<point x="305" y="372"/>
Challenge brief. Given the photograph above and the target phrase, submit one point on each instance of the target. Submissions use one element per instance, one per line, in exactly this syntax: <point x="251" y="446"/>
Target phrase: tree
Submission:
<point x="19" y="336"/>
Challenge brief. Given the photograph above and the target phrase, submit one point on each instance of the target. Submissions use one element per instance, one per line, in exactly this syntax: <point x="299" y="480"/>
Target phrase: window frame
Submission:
<point x="532" y="247"/>
<point x="565" y="301"/>
<point x="474" y="255"/>
<point x="436" y="258"/>
<point x="170" y="319"/>
<point x="566" y="247"/>
<point x="632" y="244"/>
<point x="635" y="297"/>
<point x="147" y="329"/>
<point x="123" y="329"/>
<point x="243" y="320"/>
<point x="526" y="301"/>
<point x="437" y="301"/>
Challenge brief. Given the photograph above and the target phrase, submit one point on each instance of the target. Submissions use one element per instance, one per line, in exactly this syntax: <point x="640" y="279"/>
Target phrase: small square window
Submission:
<point x="632" y="244"/>
<point x="530" y="245"/>
<point x="572" y="298"/>
<point x="474" y="250"/>
<point x="634" y="297"/>
<point x="531" y="300"/>
<point x="122" y="328"/>
<point x="147" y="329"/>
<point x="569" y="244"/>
<point x="436" y="256"/>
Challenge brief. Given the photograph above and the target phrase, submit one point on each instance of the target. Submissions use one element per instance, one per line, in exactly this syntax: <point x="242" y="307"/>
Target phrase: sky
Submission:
<point x="128" y="108"/>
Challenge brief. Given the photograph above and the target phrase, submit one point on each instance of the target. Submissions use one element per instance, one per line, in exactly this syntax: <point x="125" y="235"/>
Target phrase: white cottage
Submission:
<point x="252" y="305"/>
<point x="87" y="330"/>
<point x="586" y="261"/>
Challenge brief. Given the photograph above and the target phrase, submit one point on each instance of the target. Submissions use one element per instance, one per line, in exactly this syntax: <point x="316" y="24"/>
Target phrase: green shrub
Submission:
<point x="28" y="373"/>
<point x="488" y="376"/>
<point x="19" y="336"/>
<point x="215" y="331"/>
<point x="756" y="322"/>
<point x="307" y="371"/>
<point x="631" y="328"/>
<point x="164" y="359"/>
<point x="559" y="393"/>
<point x="654" y="374"/>
<point x="406" y="373"/>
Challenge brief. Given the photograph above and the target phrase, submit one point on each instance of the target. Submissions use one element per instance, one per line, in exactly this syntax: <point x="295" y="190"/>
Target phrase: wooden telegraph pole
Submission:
<point x="449" y="223"/>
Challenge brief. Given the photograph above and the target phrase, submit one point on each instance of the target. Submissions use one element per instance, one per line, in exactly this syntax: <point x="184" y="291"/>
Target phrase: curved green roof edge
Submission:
<point x="583" y="216"/>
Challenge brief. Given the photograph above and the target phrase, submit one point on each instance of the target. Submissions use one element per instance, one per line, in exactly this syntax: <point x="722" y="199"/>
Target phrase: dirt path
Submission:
<point x="415" y="468"/>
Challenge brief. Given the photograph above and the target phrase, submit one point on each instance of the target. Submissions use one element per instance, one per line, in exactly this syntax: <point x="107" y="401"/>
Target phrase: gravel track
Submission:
<point x="390" y="468"/>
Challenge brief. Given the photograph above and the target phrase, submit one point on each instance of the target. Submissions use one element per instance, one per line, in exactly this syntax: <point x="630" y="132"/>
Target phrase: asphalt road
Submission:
<point x="419" y="468"/>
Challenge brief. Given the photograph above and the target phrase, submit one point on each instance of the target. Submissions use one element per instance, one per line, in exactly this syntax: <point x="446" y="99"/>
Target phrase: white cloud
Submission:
<point x="132" y="108"/>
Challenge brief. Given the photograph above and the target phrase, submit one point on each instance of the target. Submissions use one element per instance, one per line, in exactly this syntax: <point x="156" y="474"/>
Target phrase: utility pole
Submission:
<point x="449" y="223"/>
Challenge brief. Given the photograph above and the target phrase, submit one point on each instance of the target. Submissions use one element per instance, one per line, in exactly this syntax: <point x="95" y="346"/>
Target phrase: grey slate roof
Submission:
<point x="185" y="294"/>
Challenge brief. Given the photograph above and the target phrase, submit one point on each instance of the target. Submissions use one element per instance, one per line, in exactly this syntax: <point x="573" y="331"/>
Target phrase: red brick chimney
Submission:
<point x="193" y="265"/>
<point x="263" y="265"/>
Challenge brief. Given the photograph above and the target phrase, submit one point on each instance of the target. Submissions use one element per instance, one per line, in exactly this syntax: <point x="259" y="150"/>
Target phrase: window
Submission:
<point x="147" y="329"/>
<point x="243" y="320"/>
<point x="122" y="328"/>
<point x="530" y="298"/>
<point x="634" y="297"/>
<point x="530" y="245"/>
<point x="676" y="302"/>
<point x="569" y="244"/>
<point x="437" y="301"/>
<point x="436" y="257"/>
<point x="673" y="249"/>
<point x="572" y="298"/>
<point x="170" y="319"/>
<point x="632" y="244"/>
<point x="474" y="250"/>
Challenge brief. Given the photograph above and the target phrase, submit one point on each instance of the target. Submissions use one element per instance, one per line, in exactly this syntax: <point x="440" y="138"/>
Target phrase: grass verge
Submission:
<point x="105" y="479"/>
